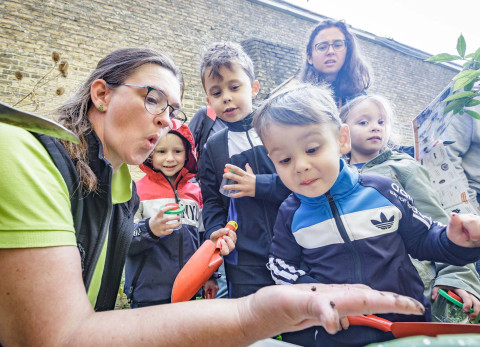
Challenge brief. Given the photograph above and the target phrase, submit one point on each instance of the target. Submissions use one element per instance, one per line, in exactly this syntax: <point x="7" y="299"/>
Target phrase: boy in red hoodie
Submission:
<point x="158" y="252"/>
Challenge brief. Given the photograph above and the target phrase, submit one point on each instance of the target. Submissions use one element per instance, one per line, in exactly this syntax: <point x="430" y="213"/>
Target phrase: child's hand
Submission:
<point x="158" y="223"/>
<point x="228" y="241"/>
<point x="469" y="300"/>
<point x="212" y="286"/>
<point x="464" y="230"/>
<point x="245" y="181"/>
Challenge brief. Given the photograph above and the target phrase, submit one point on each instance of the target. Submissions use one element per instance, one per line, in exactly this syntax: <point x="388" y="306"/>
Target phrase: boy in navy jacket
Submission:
<point x="229" y="82"/>
<point x="345" y="227"/>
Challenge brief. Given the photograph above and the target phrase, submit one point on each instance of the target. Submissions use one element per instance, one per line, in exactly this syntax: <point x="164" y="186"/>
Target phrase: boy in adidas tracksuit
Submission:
<point x="343" y="227"/>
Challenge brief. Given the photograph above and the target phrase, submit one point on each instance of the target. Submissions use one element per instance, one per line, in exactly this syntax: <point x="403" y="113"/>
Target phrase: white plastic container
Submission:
<point x="178" y="210"/>
<point x="227" y="181"/>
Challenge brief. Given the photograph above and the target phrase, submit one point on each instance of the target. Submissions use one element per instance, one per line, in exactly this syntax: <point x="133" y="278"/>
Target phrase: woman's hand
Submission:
<point x="295" y="307"/>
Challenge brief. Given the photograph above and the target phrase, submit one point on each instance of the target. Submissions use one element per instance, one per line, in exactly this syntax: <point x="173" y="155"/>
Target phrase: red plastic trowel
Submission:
<point x="405" y="329"/>
<point x="201" y="266"/>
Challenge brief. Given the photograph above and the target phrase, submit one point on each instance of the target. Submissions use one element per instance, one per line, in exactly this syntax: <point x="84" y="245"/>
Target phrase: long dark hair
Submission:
<point x="354" y="76"/>
<point x="73" y="114"/>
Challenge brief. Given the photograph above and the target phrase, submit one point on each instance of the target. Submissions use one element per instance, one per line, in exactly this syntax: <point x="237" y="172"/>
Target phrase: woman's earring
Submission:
<point x="100" y="108"/>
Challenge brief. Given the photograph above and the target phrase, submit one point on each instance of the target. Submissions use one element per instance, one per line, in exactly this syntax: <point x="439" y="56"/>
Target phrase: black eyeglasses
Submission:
<point x="156" y="102"/>
<point x="337" y="45"/>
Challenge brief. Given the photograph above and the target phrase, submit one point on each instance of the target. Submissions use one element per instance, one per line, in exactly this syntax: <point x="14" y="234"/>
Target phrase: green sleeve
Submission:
<point x="425" y="199"/>
<point x="35" y="204"/>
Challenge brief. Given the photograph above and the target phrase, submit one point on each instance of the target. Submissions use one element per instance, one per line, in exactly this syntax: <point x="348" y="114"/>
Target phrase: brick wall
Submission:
<point x="83" y="31"/>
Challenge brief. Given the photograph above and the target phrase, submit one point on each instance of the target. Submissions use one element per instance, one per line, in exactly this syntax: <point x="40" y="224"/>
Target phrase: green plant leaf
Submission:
<point x="461" y="46"/>
<point x="475" y="73"/>
<point x="477" y="55"/>
<point x="469" y="86"/>
<point x="469" y="73"/>
<point x="462" y="83"/>
<point x="473" y="102"/>
<point x="454" y="105"/>
<point x="473" y="114"/>
<point x="443" y="58"/>
<point x="461" y="95"/>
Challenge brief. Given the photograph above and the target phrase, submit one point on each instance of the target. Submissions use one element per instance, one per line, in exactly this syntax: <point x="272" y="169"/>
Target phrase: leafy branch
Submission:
<point x="468" y="79"/>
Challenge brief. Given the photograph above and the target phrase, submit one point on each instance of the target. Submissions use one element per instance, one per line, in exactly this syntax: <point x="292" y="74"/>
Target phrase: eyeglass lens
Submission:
<point x="156" y="102"/>
<point x="337" y="45"/>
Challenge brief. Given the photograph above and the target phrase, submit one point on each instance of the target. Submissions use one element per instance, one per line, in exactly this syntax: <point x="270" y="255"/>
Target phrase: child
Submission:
<point x="464" y="152"/>
<point x="229" y="82"/>
<point x="158" y="252"/>
<point x="369" y="119"/>
<point x="204" y="124"/>
<point x="346" y="227"/>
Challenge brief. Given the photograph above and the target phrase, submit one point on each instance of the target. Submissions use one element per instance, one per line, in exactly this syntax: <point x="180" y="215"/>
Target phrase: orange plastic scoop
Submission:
<point x="404" y="329"/>
<point x="199" y="268"/>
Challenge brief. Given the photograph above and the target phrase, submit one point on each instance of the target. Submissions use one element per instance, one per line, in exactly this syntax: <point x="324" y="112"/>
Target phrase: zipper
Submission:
<point x="135" y="279"/>
<point x="177" y="200"/>
<point x="265" y="212"/>
<point x="180" y="231"/>
<point x="346" y="239"/>
<point x="114" y="275"/>
<point x="99" y="244"/>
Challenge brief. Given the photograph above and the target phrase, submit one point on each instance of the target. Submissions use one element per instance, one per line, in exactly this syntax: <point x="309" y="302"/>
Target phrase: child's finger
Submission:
<point x="227" y="245"/>
<point x="232" y="235"/>
<point x="248" y="168"/>
<point x="471" y="224"/>
<point x="476" y="310"/>
<point x="234" y="168"/>
<point x="162" y="211"/>
<point x="224" y="250"/>
<point x="230" y="243"/>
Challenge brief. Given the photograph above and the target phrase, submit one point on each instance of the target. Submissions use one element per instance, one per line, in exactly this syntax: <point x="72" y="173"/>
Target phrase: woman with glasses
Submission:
<point x="66" y="222"/>
<point x="333" y="57"/>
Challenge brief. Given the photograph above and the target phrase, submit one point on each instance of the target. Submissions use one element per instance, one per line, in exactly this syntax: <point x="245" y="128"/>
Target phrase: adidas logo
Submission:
<point x="383" y="223"/>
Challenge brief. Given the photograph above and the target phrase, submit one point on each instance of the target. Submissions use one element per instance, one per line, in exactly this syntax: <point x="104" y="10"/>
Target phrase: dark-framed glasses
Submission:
<point x="156" y="103"/>
<point x="337" y="45"/>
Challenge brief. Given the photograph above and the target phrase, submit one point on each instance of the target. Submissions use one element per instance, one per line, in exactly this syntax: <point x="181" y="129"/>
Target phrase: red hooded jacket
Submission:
<point x="149" y="281"/>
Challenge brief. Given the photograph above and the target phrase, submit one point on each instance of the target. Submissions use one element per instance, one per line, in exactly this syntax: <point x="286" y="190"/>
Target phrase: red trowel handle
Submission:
<point x="216" y="260"/>
<point x="233" y="226"/>
<point x="371" y="321"/>
<point x="199" y="268"/>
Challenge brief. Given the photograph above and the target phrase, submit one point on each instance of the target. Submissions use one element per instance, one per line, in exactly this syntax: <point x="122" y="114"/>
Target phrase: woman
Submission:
<point x="333" y="57"/>
<point x="127" y="104"/>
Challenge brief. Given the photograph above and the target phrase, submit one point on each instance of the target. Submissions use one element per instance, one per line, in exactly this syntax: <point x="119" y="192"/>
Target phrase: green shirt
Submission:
<point x="35" y="206"/>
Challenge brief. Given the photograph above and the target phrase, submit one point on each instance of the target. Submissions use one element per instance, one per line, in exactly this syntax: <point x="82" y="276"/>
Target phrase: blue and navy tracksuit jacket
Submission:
<point x="361" y="231"/>
<point x="239" y="144"/>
